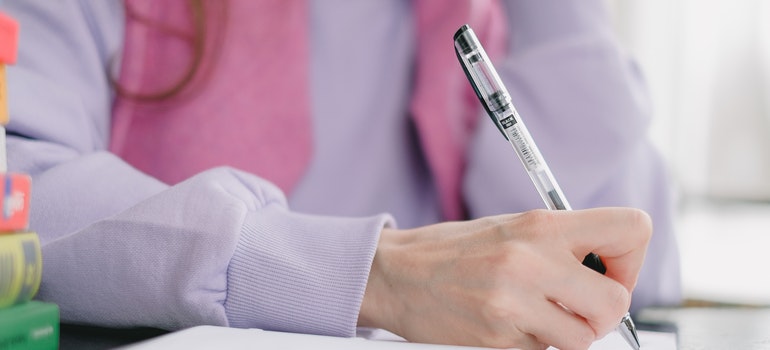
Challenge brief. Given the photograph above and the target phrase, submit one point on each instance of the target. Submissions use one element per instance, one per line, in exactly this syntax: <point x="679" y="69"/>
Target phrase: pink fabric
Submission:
<point x="444" y="106"/>
<point x="251" y="109"/>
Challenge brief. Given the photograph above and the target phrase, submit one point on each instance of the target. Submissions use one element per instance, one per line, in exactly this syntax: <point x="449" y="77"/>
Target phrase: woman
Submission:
<point x="355" y="133"/>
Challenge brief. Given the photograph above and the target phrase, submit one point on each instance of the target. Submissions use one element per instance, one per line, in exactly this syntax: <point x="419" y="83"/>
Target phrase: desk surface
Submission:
<point x="72" y="337"/>
<point x="714" y="328"/>
<point x="697" y="328"/>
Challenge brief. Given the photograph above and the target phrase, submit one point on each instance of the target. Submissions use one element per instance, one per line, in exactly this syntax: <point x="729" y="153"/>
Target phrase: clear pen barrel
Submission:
<point x="496" y="99"/>
<point x="538" y="170"/>
<point x="550" y="191"/>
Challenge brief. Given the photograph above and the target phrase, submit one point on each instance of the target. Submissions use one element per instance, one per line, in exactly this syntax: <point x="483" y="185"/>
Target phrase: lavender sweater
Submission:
<point x="228" y="248"/>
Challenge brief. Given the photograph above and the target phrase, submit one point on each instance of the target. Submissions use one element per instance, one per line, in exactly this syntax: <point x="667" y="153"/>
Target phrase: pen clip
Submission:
<point x="476" y="90"/>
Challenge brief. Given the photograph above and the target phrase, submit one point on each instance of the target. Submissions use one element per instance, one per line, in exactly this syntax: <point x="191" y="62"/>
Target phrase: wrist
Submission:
<point x="378" y="308"/>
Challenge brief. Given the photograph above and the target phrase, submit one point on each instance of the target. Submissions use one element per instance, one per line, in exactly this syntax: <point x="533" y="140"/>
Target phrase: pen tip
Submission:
<point x="628" y="331"/>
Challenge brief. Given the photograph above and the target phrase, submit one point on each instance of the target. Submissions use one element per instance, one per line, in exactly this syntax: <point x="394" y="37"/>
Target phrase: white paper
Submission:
<point x="210" y="337"/>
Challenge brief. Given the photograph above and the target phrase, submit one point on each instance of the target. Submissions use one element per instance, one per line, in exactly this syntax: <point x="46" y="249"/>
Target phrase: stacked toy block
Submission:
<point x="24" y="323"/>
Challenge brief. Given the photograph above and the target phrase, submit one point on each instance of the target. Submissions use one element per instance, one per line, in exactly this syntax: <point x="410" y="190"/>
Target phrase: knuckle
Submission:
<point x="537" y="216"/>
<point x="489" y="221"/>
<point x="500" y="263"/>
<point x="641" y="220"/>
<point x="574" y="337"/>
<point x="499" y="340"/>
<point x="496" y="308"/>
<point x="501" y="232"/>
<point x="619" y="300"/>
<point x="513" y="339"/>
<point x="583" y="338"/>
<point x="522" y="263"/>
<point x="539" y="221"/>
<point x="584" y="342"/>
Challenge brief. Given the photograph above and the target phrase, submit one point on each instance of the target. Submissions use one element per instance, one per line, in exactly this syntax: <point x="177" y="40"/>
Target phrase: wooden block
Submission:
<point x="3" y="98"/>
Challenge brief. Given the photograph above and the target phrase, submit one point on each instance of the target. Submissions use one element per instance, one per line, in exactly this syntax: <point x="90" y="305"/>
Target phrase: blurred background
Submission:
<point x="707" y="63"/>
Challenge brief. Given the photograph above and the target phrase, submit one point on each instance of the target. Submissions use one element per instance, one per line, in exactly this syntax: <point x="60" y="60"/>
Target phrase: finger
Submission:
<point x="619" y="235"/>
<point x="598" y="299"/>
<point x="556" y="326"/>
<point x="605" y="231"/>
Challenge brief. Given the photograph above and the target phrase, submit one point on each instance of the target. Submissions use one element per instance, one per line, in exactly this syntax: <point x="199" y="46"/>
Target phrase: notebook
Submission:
<point x="211" y="337"/>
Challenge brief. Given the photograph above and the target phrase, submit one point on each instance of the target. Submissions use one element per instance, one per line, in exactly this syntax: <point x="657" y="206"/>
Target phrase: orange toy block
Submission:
<point x="3" y="99"/>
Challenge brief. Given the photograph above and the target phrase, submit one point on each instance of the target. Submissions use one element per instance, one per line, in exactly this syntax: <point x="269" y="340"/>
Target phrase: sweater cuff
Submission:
<point x="301" y="273"/>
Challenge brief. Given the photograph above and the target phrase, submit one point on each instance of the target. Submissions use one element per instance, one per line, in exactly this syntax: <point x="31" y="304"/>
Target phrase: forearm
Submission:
<point x="301" y="273"/>
<point x="123" y="249"/>
<point x="220" y="248"/>
<point x="71" y="191"/>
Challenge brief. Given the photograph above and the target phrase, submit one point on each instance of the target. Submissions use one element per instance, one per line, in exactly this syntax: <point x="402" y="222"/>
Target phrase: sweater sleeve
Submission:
<point x="585" y="103"/>
<point x="121" y="249"/>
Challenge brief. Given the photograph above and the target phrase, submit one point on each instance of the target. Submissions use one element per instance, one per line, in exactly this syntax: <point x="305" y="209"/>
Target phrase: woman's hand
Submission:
<point x="508" y="281"/>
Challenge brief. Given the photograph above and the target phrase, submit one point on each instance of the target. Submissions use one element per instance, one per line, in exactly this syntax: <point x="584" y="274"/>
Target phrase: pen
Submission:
<point x="497" y="103"/>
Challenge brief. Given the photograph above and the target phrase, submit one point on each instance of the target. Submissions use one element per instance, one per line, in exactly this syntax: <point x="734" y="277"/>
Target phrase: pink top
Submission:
<point x="267" y="109"/>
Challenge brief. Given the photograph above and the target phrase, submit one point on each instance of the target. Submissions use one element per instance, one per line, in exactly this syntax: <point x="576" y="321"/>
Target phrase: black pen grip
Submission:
<point x="595" y="263"/>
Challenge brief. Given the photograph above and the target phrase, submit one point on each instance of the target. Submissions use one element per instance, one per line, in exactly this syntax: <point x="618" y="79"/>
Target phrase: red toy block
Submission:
<point x="14" y="207"/>
<point x="9" y="39"/>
